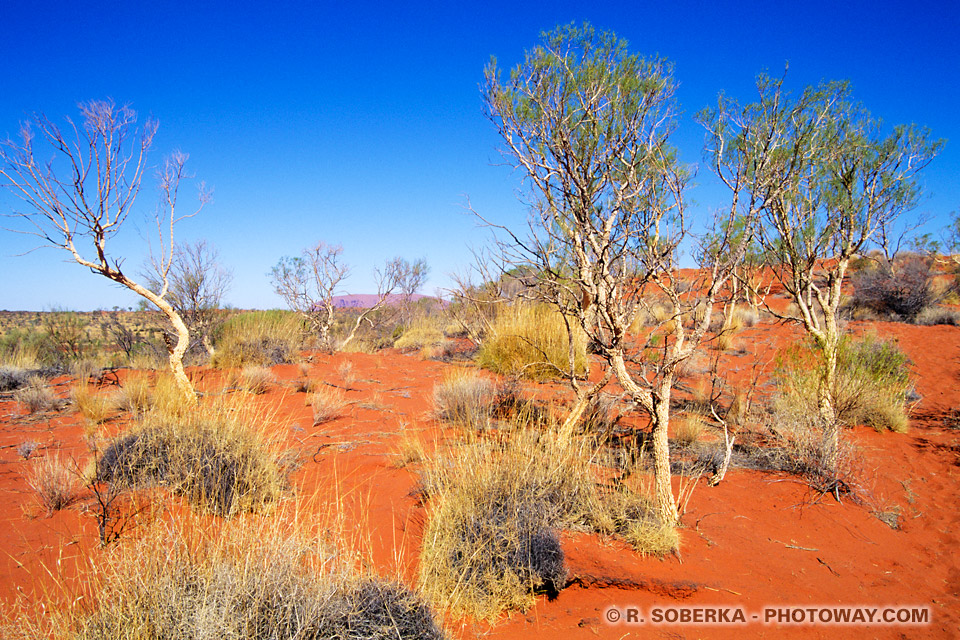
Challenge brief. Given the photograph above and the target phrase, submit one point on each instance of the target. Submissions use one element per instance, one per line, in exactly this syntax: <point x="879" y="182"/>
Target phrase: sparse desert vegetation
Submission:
<point x="627" y="401"/>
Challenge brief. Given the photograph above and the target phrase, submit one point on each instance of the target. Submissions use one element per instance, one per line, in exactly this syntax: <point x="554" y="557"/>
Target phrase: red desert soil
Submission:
<point x="757" y="540"/>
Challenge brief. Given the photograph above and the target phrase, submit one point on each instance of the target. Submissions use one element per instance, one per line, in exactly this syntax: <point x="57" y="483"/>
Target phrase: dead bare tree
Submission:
<point x="477" y="293"/>
<point x="198" y="282"/>
<point x="308" y="283"/>
<point x="588" y="124"/>
<point x="80" y="199"/>
<point x="829" y="185"/>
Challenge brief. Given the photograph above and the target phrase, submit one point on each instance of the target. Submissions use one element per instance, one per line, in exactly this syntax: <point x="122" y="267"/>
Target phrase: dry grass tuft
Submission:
<point x="257" y="379"/>
<point x="492" y="540"/>
<point x="250" y="579"/>
<point x="53" y="483"/>
<point x="425" y="331"/>
<point x="135" y="396"/>
<point x="168" y="399"/>
<point x="345" y="370"/>
<point x="258" y="338"/>
<point x="36" y="395"/>
<point x="688" y="428"/>
<point x="466" y="399"/>
<point x="93" y="407"/>
<point x="328" y="404"/>
<point x="532" y="341"/>
<point x="409" y="449"/>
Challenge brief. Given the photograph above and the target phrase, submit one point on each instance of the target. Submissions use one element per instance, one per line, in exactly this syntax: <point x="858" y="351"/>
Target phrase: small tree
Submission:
<point x="198" y="282"/>
<point x="308" y="283"/>
<point x="78" y="200"/>
<point x="587" y="124"/>
<point x="828" y="184"/>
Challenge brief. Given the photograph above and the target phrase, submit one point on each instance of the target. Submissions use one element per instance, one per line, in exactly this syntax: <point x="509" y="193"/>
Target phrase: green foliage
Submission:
<point x="871" y="388"/>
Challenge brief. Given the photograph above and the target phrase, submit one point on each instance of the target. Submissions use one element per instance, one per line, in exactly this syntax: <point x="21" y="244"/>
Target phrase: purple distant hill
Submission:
<point x="367" y="300"/>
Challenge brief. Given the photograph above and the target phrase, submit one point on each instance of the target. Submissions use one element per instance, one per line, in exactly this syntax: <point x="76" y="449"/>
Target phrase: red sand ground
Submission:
<point x="757" y="540"/>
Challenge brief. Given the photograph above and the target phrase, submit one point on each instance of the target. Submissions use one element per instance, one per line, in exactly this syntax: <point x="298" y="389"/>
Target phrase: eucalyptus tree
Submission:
<point x="79" y="183"/>
<point x="829" y="183"/>
<point x="587" y="124"/>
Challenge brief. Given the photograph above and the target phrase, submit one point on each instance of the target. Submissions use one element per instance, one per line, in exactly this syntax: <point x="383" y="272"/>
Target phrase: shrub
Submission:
<point x="258" y="338"/>
<point x="53" y="484"/>
<point x="465" y="399"/>
<point x="871" y="388"/>
<point x="211" y="456"/>
<point x="531" y="341"/>
<point x="36" y="395"/>
<point x="938" y="315"/>
<point x="13" y="378"/>
<point x="328" y="404"/>
<point x="26" y="448"/>
<point x="901" y="290"/>
<point x="250" y="581"/>
<point x="799" y="448"/>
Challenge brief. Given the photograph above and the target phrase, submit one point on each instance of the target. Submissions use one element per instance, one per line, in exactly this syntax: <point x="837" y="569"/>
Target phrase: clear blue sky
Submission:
<point x="362" y="125"/>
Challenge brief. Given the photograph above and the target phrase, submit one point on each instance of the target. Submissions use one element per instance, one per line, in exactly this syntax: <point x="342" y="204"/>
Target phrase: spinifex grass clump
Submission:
<point x="248" y="579"/>
<point x="36" y="395"/>
<point x="492" y="540"/>
<point x="465" y="399"/>
<point x="871" y="387"/>
<point x="532" y="341"/>
<point x="212" y="456"/>
<point x="497" y="507"/>
<point x="259" y="338"/>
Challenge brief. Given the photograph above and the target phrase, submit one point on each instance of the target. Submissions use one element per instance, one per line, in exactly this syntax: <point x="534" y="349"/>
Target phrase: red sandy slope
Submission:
<point x="757" y="540"/>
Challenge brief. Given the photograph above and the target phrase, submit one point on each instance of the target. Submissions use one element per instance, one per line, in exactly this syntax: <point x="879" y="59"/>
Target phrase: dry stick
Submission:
<point x="820" y="560"/>
<point x="792" y="546"/>
<point x="728" y="443"/>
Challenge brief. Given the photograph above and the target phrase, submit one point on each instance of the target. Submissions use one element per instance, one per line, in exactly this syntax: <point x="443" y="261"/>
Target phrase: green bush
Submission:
<point x="871" y="388"/>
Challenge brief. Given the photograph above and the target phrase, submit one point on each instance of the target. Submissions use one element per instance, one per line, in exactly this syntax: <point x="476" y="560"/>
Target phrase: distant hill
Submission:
<point x="367" y="300"/>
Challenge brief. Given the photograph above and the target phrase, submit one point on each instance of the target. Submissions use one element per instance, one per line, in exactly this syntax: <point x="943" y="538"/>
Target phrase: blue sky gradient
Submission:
<point x="362" y="125"/>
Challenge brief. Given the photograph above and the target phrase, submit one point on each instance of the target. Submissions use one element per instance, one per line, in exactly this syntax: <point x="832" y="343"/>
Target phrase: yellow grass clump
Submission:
<point x="532" y="341"/>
